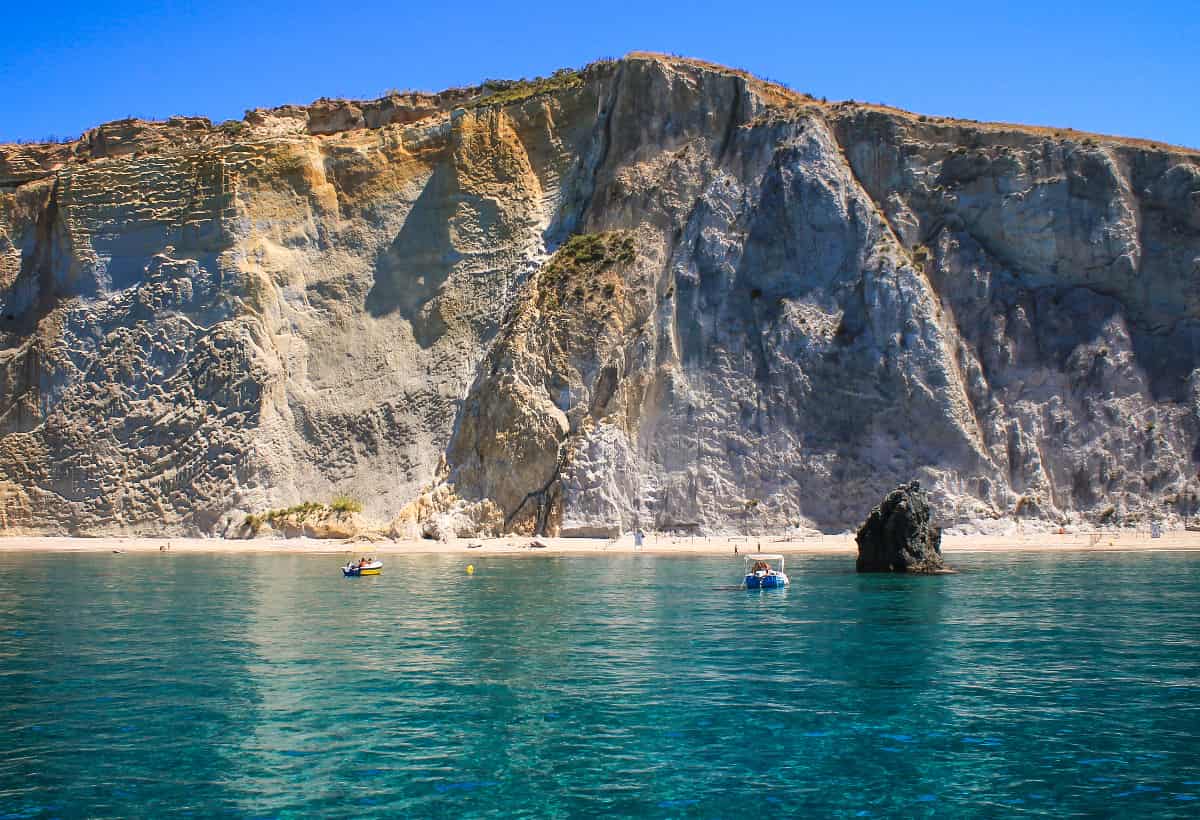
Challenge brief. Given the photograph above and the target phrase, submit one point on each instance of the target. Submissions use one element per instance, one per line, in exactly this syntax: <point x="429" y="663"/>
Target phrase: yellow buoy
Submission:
<point x="470" y="569"/>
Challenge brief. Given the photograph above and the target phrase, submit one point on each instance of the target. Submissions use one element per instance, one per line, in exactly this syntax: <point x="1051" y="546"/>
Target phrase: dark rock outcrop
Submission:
<point x="898" y="537"/>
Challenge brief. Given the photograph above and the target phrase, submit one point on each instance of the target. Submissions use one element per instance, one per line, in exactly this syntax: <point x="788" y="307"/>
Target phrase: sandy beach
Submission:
<point x="657" y="544"/>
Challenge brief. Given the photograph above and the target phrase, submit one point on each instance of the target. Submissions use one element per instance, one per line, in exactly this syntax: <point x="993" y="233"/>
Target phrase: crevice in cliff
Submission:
<point x="735" y="118"/>
<point x="545" y="497"/>
<point x="47" y="297"/>
<point x="835" y="131"/>
<point x="605" y="128"/>
<point x="33" y="295"/>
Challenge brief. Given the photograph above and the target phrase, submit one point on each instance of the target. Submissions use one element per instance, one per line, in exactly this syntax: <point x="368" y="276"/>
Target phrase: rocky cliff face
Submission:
<point x="655" y="291"/>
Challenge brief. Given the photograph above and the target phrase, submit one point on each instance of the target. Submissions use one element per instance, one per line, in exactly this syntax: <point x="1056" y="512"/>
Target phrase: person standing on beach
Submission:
<point x="638" y="537"/>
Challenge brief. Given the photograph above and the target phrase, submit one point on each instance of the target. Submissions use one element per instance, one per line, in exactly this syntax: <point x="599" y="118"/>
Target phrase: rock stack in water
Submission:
<point x="898" y="536"/>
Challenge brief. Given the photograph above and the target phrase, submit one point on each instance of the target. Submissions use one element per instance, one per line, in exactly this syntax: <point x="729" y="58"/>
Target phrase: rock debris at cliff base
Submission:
<point x="653" y="292"/>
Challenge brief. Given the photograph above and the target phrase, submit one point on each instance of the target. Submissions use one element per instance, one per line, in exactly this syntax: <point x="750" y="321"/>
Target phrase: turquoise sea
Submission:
<point x="163" y="685"/>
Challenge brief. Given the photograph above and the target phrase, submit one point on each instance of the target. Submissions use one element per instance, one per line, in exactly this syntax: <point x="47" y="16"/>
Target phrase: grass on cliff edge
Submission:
<point x="505" y="92"/>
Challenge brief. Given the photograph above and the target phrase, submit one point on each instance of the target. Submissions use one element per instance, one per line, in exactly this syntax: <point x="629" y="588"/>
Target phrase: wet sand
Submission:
<point x="658" y="544"/>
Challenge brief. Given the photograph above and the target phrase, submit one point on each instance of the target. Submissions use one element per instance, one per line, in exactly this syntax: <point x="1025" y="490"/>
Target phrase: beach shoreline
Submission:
<point x="655" y="544"/>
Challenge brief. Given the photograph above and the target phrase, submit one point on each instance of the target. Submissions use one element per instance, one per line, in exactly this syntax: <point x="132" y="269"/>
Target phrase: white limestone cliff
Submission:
<point x="654" y="292"/>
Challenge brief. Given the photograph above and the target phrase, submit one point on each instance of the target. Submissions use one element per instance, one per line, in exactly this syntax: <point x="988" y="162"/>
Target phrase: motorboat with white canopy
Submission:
<point x="765" y="571"/>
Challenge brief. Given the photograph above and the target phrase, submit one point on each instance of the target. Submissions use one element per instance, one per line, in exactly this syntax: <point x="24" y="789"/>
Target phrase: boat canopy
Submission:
<point x="763" y="556"/>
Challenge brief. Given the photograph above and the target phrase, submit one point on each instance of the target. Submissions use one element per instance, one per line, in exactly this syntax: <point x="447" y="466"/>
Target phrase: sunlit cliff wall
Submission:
<point x="656" y="291"/>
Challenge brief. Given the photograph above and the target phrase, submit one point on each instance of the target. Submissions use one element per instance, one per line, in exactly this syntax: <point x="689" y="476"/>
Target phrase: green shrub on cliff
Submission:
<point x="345" y="504"/>
<point x="585" y="272"/>
<point x="587" y="252"/>
<point x="301" y="510"/>
<point x="604" y="248"/>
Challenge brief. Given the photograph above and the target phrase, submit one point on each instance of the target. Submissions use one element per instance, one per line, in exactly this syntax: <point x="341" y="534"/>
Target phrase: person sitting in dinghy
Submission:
<point x="761" y="569"/>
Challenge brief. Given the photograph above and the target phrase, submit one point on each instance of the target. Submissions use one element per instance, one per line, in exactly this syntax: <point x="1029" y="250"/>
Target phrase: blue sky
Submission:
<point x="1117" y="68"/>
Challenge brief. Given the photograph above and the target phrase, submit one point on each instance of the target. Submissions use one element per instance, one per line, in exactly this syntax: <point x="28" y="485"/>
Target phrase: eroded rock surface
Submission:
<point x="899" y="536"/>
<point x="655" y="292"/>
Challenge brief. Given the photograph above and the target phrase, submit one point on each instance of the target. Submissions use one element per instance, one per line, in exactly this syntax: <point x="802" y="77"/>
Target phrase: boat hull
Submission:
<point x="355" y="572"/>
<point x="773" y="581"/>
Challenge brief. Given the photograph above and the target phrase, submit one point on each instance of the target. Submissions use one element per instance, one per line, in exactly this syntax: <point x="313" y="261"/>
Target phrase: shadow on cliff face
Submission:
<point x="1045" y="324"/>
<point x="794" y="323"/>
<point x="1069" y="319"/>
<point x="410" y="272"/>
<point x="799" y="245"/>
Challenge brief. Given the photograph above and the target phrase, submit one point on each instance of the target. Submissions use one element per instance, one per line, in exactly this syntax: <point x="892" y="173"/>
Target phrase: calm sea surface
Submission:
<point x="269" y="686"/>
